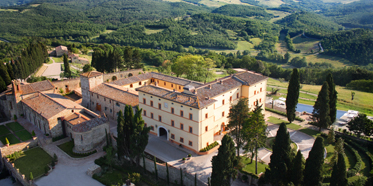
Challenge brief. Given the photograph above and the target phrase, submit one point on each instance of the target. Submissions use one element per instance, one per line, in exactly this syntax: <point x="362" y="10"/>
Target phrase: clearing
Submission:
<point x="241" y="46"/>
<point x="280" y="15"/>
<point x="152" y="31"/>
<point x="306" y="44"/>
<point x="219" y="3"/>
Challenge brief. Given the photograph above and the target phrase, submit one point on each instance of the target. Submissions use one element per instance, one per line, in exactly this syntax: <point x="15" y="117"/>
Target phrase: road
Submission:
<point x="53" y="70"/>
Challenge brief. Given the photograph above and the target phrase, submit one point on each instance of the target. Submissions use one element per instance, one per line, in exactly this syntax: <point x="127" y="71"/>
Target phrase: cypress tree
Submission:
<point x="156" y="169"/>
<point x="2" y="85"/>
<point x="281" y="156"/>
<point x="313" y="169"/>
<point x="195" y="179"/>
<point x="128" y="129"/>
<point x="9" y="67"/>
<point x="120" y="140"/>
<point x="181" y="177"/>
<point x="4" y="74"/>
<point x="321" y="109"/>
<point x="297" y="169"/>
<point x="143" y="162"/>
<point x="339" y="175"/>
<point x="139" y="137"/>
<point x="223" y="163"/>
<point x="168" y="175"/>
<point x="332" y="98"/>
<point x="67" y="66"/>
<point x="293" y="95"/>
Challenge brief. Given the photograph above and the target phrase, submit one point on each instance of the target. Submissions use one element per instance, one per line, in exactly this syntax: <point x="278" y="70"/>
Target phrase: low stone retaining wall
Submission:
<point x="15" y="172"/>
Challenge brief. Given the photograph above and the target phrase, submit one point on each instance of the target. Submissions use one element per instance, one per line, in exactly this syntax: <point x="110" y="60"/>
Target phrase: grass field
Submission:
<point x="279" y="121"/>
<point x="219" y="3"/>
<point x="35" y="5"/>
<point x="3" y="130"/>
<point x="241" y="46"/>
<point x="35" y="161"/>
<point x="310" y="132"/>
<point x="15" y="126"/>
<point x="271" y="3"/>
<point x="12" y="139"/>
<point x="68" y="148"/>
<point x="58" y="59"/>
<point x="24" y="135"/>
<point x="362" y="102"/>
<point x="152" y="31"/>
<point x="7" y="10"/>
<point x="305" y="44"/>
<point x="250" y="167"/>
<point x="280" y="15"/>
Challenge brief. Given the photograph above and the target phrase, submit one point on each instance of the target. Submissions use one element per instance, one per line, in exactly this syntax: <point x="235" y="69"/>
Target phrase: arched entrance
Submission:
<point x="162" y="132"/>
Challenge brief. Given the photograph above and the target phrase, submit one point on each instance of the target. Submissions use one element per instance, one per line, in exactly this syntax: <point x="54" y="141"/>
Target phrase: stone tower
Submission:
<point x="88" y="81"/>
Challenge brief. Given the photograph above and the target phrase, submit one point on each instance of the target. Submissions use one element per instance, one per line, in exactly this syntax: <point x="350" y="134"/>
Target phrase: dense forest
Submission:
<point x="244" y="11"/>
<point x="355" y="45"/>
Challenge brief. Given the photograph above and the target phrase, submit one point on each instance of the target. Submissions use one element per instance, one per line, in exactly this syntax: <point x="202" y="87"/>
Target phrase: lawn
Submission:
<point x="35" y="161"/>
<point x="281" y="15"/>
<point x="68" y="148"/>
<point x="250" y="167"/>
<point x="311" y="132"/>
<point x="57" y="59"/>
<point x="3" y="130"/>
<point x="24" y="135"/>
<point x="279" y="121"/>
<point x="306" y="44"/>
<point x="15" y="126"/>
<point x="12" y="139"/>
<point x="152" y="31"/>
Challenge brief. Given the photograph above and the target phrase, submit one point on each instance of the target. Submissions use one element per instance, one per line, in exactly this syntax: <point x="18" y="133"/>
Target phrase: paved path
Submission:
<point x="53" y="70"/>
<point x="69" y="171"/>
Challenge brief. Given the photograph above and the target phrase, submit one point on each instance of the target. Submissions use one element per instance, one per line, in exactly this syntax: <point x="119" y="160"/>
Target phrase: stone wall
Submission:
<point x="87" y="141"/>
<point x="67" y="85"/>
<point x="15" y="172"/>
<point x="122" y="74"/>
<point x="174" y="173"/>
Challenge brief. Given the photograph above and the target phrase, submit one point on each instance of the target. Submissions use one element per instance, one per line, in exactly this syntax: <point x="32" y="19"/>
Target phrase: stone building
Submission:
<point x="76" y="59"/>
<point x="60" y="50"/>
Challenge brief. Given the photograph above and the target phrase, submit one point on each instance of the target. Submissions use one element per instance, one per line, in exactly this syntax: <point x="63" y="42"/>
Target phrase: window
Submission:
<point x="172" y="110"/>
<point x="159" y="106"/>
<point x="172" y="136"/>
<point x="181" y="140"/>
<point x="260" y="100"/>
<point x="118" y="105"/>
<point x="144" y="112"/>
<point x="179" y="87"/>
<point x="104" y="99"/>
<point x="11" y="106"/>
<point x="190" y="129"/>
<point x="254" y="92"/>
<point x="172" y="123"/>
<point x="222" y="102"/>
<point x="105" y="108"/>
<point x="206" y="128"/>
<point x="110" y="101"/>
<point x="91" y="93"/>
<point x="181" y="126"/>
<point x="151" y="103"/>
<point x="172" y="85"/>
<point x="152" y="128"/>
<point x="81" y="137"/>
<point x="190" y="143"/>
<point x="238" y="95"/>
<point x="230" y="99"/>
<point x="260" y="89"/>
<point x="164" y="83"/>
<point x="93" y="103"/>
<point x="140" y="83"/>
<point x="131" y="86"/>
<point x="181" y="113"/>
<point x="160" y="118"/>
<point x="98" y="96"/>
<point x="191" y="116"/>
<point x="206" y="115"/>
<point x="151" y="115"/>
<point x="111" y="111"/>
<point x="144" y="101"/>
<point x="222" y="114"/>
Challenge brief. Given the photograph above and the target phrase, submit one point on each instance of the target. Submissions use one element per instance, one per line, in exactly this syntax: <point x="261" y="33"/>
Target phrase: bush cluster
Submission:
<point x="209" y="147"/>
<point x="58" y="138"/>
<point x="15" y="155"/>
<point x="354" y="170"/>
<point x="364" y="150"/>
<point x="283" y="113"/>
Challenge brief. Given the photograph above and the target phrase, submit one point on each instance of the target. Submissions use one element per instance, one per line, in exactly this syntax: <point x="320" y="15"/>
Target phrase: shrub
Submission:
<point x="323" y="135"/>
<point x="55" y="158"/>
<point x="134" y="177"/>
<point x="46" y="169"/>
<point x="6" y="141"/>
<point x="183" y="159"/>
<point x="354" y="170"/>
<point x="212" y="145"/>
<point x="189" y="155"/>
<point x="31" y="176"/>
<point x="244" y="177"/>
<point x="53" y="164"/>
<point x="15" y="117"/>
<point x="33" y="133"/>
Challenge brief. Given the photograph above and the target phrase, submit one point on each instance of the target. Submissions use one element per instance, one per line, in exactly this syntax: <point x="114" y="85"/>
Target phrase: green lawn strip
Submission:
<point x="12" y="139"/>
<point x="35" y="161"/>
<point x="24" y="135"/>
<point x="15" y="126"/>
<point x="350" y="158"/>
<point x="4" y="130"/>
<point x="310" y="132"/>
<point x="277" y="121"/>
<point x="250" y="167"/>
<point x="68" y="148"/>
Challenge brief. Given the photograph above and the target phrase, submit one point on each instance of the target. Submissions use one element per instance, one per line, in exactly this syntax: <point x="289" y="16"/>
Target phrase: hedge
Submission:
<point x="283" y="113"/>
<point x="353" y="171"/>
<point x="212" y="145"/>
<point x="364" y="150"/>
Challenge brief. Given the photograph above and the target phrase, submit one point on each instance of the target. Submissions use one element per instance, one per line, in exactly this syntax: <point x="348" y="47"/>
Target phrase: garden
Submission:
<point x="68" y="149"/>
<point x="14" y="133"/>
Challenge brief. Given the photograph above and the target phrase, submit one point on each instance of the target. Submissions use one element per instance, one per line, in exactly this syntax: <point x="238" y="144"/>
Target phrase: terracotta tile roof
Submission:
<point x="67" y="103"/>
<point x="61" y="48"/>
<point x="217" y="87"/>
<point x="36" y="87"/>
<point x="176" y="80"/>
<point x="46" y="106"/>
<point x="117" y="93"/>
<point x="132" y="79"/>
<point x="249" y="78"/>
<point x="91" y="74"/>
<point x="76" y="118"/>
<point x="88" y="125"/>
<point x="191" y="100"/>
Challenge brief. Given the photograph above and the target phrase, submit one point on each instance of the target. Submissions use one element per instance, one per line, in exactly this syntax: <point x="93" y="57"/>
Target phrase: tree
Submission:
<point x="10" y="70"/>
<point x="223" y="163"/>
<point x="339" y="175"/>
<point x="281" y="157"/>
<point x="128" y="129"/>
<point x="120" y="139"/>
<point x="195" y="67"/>
<point x="321" y="109"/>
<point x="313" y="169"/>
<point x="2" y="85"/>
<point x="128" y="61"/>
<point x="297" y="169"/>
<point x="167" y="175"/>
<point x="4" y="74"/>
<point x="155" y="168"/>
<point x="109" y="156"/>
<point x="7" y="141"/>
<point x="332" y="98"/>
<point x="238" y="115"/>
<point x="31" y="176"/>
<point x="360" y="124"/>
<point x="287" y="57"/>
<point x="255" y="133"/>
<point x="331" y="136"/>
<point x="139" y="137"/>
<point x="87" y="68"/>
<point x="293" y="95"/>
<point x="338" y="149"/>
<point x="66" y="65"/>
